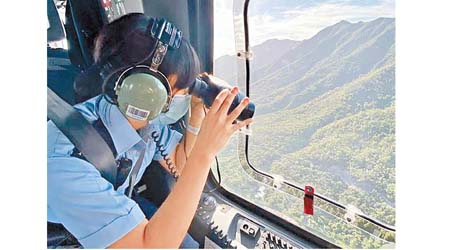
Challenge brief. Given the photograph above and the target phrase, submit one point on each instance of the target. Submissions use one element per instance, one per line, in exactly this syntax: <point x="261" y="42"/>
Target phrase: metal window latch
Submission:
<point x="277" y="181"/>
<point x="351" y="212"/>
<point x="244" y="54"/>
<point x="246" y="130"/>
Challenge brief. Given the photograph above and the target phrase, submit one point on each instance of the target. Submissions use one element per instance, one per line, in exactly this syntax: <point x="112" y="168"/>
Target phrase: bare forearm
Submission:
<point x="190" y="142"/>
<point x="184" y="150"/>
<point x="168" y="227"/>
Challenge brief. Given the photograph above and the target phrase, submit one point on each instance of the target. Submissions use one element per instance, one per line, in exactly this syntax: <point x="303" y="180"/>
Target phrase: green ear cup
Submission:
<point x="141" y="96"/>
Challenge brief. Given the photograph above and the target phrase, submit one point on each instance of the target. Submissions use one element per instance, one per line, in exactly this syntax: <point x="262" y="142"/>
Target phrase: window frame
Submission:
<point x="286" y="186"/>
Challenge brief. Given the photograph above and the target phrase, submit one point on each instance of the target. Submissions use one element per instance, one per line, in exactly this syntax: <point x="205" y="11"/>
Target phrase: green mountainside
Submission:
<point x="325" y="115"/>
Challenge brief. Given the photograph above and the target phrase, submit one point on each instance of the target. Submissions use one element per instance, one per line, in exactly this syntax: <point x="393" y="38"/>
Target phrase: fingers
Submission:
<point x="238" y="110"/>
<point x="241" y="124"/>
<point x="196" y="100"/>
<point x="218" y="101"/>
<point x="229" y="99"/>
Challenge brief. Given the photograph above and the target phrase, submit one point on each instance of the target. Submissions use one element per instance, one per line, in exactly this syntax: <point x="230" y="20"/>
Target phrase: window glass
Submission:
<point x="323" y="81"/>
<point x="224" y="49"/>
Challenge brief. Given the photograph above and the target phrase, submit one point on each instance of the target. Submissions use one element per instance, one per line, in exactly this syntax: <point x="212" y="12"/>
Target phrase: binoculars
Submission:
<point x="208" y="92"/>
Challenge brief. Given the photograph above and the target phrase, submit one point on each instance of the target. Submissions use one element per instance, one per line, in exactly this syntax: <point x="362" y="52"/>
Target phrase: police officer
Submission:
<point x="96" y="212"/>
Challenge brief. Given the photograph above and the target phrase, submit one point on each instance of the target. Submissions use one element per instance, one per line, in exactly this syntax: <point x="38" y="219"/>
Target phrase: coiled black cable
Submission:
<point x="172" y="168"/>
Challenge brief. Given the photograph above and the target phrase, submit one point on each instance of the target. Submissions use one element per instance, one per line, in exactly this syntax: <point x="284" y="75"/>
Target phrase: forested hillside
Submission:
<point x="325" y="115"/>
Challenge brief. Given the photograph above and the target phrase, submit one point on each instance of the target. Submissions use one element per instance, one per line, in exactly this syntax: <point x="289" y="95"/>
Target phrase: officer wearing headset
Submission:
<point x="101" y="215"/>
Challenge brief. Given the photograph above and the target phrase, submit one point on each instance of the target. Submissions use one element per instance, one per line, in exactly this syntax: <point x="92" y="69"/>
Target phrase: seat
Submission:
<point x="61" y="74"/>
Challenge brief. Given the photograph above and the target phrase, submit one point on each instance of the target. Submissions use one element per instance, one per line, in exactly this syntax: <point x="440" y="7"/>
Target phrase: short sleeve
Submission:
<point x="169" y="138"/>
<point x="87" y="205"/>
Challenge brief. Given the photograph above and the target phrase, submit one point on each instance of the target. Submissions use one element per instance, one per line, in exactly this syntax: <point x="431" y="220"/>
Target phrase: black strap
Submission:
<point x="103" y="131"/>
<point x="83" y="135"/>
<point x="58" y="235"/>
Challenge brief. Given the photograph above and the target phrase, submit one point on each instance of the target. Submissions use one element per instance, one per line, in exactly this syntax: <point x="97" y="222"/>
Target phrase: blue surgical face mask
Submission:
<point x="177" y="109"/>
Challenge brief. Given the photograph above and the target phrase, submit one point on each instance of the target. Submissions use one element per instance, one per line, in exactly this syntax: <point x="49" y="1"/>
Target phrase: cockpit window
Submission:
<point x="322" y="77"/>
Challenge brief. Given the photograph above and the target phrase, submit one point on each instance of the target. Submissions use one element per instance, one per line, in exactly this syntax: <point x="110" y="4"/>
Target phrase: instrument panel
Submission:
<point x="231" y="227"/>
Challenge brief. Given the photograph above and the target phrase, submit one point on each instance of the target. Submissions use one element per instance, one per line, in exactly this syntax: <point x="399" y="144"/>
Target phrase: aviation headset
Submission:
<point x="141" y="91"/>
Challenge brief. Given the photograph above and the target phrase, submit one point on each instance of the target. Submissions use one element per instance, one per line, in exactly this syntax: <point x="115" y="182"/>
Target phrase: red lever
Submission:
<point x="308" y="200"/>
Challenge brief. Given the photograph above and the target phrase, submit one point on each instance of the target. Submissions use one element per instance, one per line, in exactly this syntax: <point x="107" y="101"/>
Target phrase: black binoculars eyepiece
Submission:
<point x="208" y="92"/>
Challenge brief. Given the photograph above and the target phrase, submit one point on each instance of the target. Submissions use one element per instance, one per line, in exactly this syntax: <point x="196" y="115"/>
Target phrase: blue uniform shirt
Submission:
<point x="78" y="197"/>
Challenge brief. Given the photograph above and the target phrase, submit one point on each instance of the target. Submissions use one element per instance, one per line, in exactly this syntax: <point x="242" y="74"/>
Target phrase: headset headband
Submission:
<point x="167" y="37"/>
<point x="166" y="32"/>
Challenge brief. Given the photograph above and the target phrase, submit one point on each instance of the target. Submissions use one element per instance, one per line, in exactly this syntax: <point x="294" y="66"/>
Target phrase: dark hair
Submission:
<point x="124" y="42"/>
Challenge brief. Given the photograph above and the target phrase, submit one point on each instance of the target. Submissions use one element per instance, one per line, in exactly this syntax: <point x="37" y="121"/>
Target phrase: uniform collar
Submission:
<point x="124" y="136"/>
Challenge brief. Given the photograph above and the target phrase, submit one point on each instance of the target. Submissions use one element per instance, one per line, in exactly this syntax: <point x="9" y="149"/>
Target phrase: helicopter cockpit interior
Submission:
<point x="336" y="76"/>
